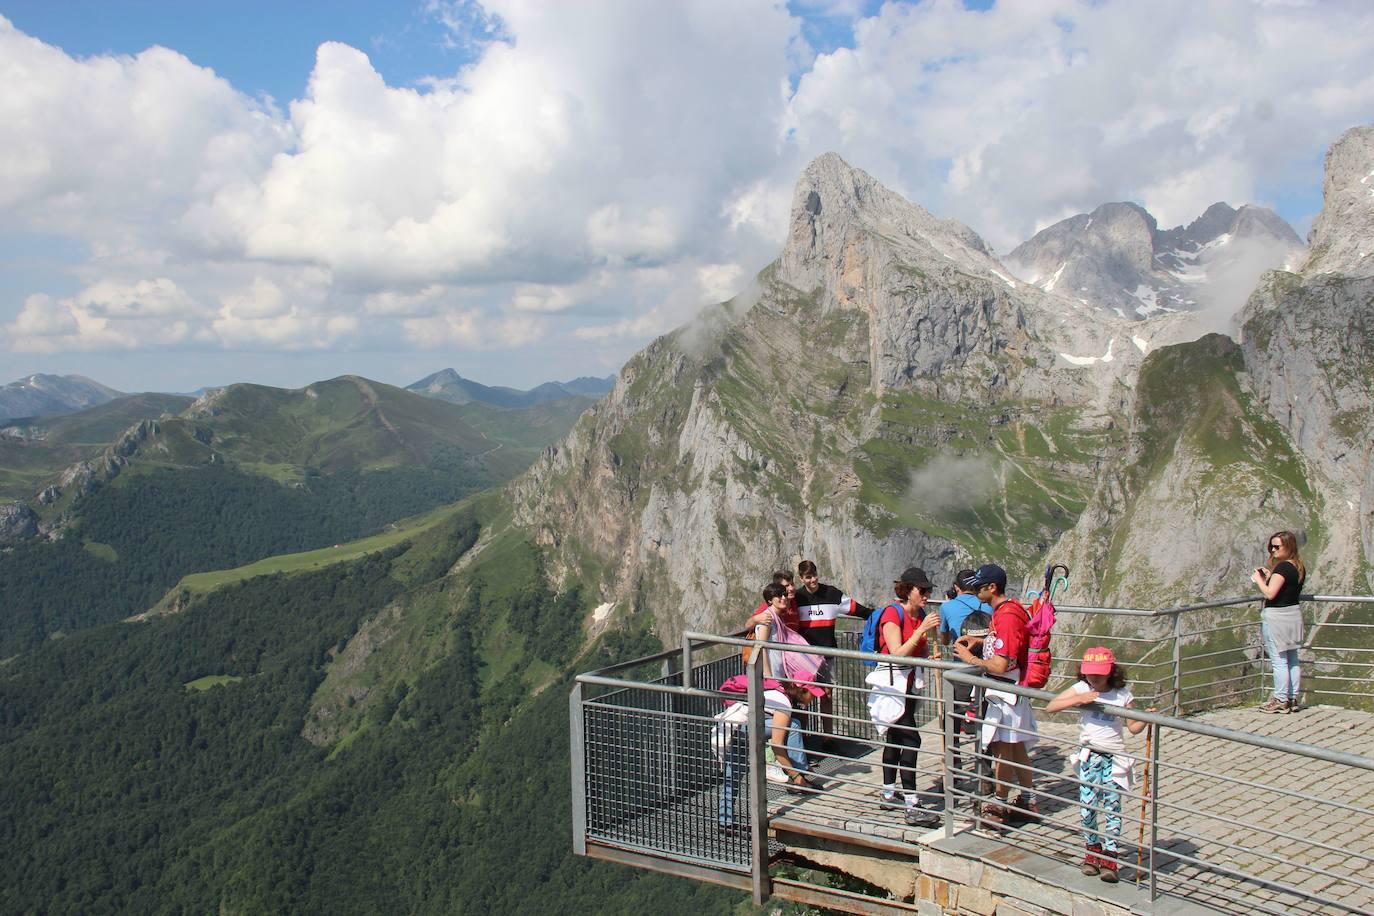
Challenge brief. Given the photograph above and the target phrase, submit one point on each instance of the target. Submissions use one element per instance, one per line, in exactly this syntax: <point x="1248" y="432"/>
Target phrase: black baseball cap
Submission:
<point x="915" y="575"/>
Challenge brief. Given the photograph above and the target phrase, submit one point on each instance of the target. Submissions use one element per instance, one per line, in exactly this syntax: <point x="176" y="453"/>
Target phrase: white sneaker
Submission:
<point x="776" y="774"/>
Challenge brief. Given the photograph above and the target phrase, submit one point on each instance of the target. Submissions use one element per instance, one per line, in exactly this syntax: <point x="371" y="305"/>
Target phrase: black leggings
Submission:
<point x="903" y="740"/>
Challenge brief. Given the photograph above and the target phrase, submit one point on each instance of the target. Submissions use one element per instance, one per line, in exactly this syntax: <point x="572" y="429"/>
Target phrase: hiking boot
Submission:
<point x="889" y="798"/>
<point x="1027" y="807"/>
<point x="919" y="817"/>
<point x="1108" y="873"/>
<point x="1293" y="706"/>
<point x="1091" y="863"/>
<point x="1275" y="706"/>
<point x="995" y="815"/>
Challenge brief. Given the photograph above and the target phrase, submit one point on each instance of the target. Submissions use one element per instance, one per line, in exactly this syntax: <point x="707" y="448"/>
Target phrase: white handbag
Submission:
<point x="728" y="721"/>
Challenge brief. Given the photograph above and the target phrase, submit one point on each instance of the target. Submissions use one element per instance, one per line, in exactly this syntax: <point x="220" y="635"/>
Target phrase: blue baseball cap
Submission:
<point x="989" y="574"/>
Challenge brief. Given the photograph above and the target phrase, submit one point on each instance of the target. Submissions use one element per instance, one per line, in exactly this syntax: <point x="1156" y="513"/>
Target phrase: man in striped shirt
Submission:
<point x="818" y="606"/>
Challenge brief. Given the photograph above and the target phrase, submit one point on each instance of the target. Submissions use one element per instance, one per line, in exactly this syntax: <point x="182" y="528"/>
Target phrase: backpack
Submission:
<point x="735" y="714"/>
<point x="1039" y="627"/>
<point x="869" y="641"/>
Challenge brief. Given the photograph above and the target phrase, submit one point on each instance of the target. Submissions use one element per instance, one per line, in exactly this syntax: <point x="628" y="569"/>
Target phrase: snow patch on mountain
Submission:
<point x="1091" y="360"/>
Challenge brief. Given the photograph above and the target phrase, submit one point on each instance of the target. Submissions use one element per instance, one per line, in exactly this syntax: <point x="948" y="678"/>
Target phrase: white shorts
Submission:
<point x="1006" y="714"/>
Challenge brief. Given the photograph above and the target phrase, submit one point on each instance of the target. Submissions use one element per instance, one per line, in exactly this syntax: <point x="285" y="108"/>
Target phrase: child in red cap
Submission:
<point x="1104" y="769"/>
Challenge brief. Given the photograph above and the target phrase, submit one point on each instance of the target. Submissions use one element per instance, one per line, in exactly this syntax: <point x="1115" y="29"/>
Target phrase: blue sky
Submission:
<point x="570" y="180"/>
<point x="268" y="47"/>
<point x="261" y="47"/>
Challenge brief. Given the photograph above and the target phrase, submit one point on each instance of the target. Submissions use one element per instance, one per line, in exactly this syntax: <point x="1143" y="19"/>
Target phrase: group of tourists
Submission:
<point x="984" y="627"/>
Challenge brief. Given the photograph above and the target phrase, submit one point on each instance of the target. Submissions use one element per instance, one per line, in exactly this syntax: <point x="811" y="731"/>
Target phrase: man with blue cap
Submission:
<point x="1009" y="728"/>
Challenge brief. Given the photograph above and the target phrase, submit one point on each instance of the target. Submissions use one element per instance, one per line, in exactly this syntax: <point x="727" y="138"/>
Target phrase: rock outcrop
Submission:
<point x="1342" y="237"/>
<point x="1229" y="444"/>
<point x="17" y="521"/>
<point x="809" y="417"/>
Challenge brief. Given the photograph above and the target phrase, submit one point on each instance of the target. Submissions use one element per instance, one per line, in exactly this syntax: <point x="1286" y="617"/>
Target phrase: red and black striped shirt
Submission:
<point x="818" y="610"/>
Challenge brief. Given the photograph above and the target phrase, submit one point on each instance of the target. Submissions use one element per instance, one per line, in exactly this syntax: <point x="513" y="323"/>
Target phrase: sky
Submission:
<point x="195" y="194"/>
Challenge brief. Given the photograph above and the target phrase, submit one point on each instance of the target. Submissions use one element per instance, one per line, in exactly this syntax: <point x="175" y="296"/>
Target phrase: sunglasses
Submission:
<point x="1274" y="547"/>
<point x="925" y="591"/>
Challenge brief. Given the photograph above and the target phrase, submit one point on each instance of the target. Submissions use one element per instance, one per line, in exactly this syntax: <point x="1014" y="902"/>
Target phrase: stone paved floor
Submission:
<point x="1206" y="812"/>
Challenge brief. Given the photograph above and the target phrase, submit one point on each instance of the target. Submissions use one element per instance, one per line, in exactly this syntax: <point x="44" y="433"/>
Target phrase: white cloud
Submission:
<point x="531" y="297"/>
<point x="294" y="312"/>
<point x="399" y="303"/>
<point x="104" y="316"/>
<point x="1010" y="117"/>
<point x="470" y="329"/>
<point x="106" y="148"/>
<point x="602" y="170"/>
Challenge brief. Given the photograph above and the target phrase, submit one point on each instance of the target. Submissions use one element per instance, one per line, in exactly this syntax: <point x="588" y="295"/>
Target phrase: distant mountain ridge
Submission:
<point x="448" y="385"/>
<point x="1118" y="259"/>
<point x="43" y="395"/>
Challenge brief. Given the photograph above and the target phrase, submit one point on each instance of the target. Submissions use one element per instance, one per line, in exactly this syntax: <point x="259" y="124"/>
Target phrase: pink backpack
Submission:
<point x="1038" y="659"/>
<point x="1040" y="625"/>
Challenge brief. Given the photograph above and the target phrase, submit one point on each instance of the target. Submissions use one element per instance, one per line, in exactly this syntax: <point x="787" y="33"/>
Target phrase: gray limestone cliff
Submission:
<point x="886" y="394"/>
<point x="1342" y="238"/>
<point x="1227" y="443"/>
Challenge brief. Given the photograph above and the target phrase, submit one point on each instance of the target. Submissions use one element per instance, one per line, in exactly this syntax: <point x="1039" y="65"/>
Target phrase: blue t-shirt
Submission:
<point x="953" y="612"/>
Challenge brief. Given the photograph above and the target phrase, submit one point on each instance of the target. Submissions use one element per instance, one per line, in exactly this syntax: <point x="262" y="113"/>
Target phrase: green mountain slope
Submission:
<point x="348" y="422"/>
<point x="1206" y="462"/>
<point x="244" y="473"/>
<point x="33" y="451"/>
<point x="133" y="789"/>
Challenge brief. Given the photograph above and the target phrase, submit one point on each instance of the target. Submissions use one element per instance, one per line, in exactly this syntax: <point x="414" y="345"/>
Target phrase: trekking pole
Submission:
<point x="939" y="689"/>
<point x="1144" y="798"/>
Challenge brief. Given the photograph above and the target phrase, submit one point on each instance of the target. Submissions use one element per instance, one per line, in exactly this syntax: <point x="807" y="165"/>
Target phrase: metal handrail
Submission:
<point x="963" y="676"/>
<point x="683" y="671"/>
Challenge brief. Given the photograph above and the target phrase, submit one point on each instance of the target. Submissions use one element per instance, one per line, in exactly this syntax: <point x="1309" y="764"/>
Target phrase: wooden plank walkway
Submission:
<point x="1207" y="810"/>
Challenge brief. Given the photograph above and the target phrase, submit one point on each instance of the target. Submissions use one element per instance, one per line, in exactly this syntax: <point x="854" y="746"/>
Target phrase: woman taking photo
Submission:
<point x="1280" y="580"/>
<point x="902" y="630"/>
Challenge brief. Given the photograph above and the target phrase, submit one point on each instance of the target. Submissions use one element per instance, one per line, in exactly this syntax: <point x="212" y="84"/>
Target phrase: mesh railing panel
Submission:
<point x="653" y="782"/>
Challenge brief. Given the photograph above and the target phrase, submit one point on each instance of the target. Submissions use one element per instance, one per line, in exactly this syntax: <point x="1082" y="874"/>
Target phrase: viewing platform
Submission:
<point x="1232" y="810"/>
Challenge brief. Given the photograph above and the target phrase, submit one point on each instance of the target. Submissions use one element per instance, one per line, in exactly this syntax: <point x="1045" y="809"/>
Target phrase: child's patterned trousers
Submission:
<point x="1098" y="791"/>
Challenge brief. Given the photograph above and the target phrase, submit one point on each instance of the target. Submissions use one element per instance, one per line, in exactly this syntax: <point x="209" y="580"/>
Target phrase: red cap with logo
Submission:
<point x="1098" y="660"/>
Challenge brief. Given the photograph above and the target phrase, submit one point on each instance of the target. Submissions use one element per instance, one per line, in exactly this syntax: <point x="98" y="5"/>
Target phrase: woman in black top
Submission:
<point x="1280" y="581"/>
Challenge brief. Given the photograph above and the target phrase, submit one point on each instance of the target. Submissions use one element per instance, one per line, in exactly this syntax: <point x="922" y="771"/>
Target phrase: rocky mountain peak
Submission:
<point x="1342" y="238"/>
<point x="437" y="380"/>
<point x="1118" y="259"/>
<point x="835" y="206"/>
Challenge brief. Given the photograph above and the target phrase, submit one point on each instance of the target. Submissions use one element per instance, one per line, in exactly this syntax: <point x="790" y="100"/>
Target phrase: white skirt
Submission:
<point x="1006" y="714"/>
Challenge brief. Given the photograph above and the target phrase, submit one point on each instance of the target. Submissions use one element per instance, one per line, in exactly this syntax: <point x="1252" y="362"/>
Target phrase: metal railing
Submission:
<point x="647" y="776"/>
<point x="1201" y="656"/>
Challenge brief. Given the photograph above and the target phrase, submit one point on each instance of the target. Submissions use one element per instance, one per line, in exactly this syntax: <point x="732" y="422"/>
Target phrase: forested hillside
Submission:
<point x="169" y="772"/>
<point x="136" y="538"/>
<point x="143" y="490"/>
